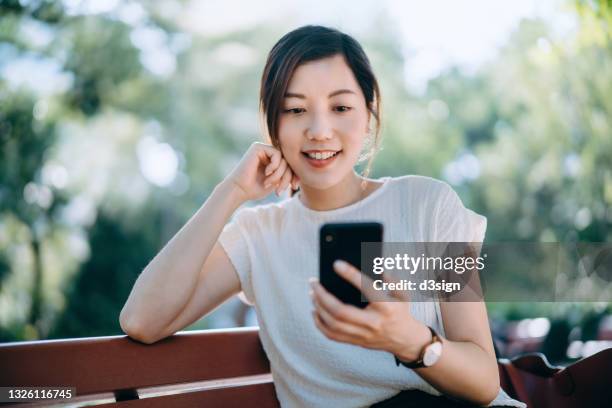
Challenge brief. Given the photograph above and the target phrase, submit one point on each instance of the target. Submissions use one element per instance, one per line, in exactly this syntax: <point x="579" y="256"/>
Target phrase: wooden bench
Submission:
<point x="194" y="369"/>
<point x="229" y="368"/>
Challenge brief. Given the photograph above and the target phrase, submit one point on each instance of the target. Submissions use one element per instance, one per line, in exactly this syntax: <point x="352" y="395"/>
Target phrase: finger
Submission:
<point x="285" y="180"/>
<point x="359" y="280"/>
<point x="342" y="311"/>
<point x="278" y="173"/>
<point x="403" y="295"/>
<point x="273" y="155"/>
<point x="266" y="152"/>
<point x="295" y="182"/>
<point x="329" y="333"/>
<point x="339" y="326"/>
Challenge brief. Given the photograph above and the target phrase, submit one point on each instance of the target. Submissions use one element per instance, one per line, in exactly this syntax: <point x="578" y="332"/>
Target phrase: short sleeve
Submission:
<point x="234" y="243"/>
<point x="454" y="222"/>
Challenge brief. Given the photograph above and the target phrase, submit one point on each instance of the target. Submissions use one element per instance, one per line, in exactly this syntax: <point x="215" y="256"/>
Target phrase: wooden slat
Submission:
<point x="256" y="395"/>
<point x="102" y="364"/>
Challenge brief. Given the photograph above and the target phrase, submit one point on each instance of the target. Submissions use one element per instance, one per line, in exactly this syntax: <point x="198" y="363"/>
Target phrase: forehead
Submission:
<point x="323" y="75"/>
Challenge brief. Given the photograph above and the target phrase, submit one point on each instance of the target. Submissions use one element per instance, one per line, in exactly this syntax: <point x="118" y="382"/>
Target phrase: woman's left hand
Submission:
<point x="383" y="325"/>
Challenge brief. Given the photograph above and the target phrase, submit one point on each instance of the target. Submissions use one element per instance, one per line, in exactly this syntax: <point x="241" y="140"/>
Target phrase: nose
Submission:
<point x="319" y="128"/>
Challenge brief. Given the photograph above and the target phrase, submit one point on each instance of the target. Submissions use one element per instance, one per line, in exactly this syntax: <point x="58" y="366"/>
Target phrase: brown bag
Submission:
<point x="586" y="383"/>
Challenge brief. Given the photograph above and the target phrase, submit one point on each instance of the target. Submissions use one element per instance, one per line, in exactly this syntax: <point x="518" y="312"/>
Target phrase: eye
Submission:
<point x="294" y="110"/>
<point x="342" y="108"/>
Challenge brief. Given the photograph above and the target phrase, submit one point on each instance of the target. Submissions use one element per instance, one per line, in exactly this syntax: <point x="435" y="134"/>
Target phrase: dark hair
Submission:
<point x="309" y="43"/>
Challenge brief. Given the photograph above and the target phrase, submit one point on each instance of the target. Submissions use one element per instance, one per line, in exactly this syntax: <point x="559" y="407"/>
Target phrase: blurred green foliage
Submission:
<point x="526" y="140"/>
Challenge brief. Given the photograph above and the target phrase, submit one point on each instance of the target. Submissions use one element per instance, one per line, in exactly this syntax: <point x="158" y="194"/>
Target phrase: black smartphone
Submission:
<point x="343" y="241"/>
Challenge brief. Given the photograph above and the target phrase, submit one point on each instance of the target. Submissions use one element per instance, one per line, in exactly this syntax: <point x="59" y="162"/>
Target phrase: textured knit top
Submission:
<point x="274" y="249"/>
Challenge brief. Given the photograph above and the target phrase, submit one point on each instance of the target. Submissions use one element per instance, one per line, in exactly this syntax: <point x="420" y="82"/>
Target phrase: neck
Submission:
<point x="346" y="192"/>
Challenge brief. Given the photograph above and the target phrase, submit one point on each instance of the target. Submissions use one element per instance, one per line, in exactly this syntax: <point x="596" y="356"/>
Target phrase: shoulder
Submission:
<point x="424" y="188"/>
<point x="436" y="200"/>
<point x="437" y="195"/>
<point x="267" y="214"/>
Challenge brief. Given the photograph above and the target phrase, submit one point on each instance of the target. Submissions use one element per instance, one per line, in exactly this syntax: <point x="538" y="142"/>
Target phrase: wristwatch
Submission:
<point x="429" y="356"/>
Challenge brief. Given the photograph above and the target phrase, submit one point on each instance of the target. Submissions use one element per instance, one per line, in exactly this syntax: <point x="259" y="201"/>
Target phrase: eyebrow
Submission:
<point x="301" y="96"/>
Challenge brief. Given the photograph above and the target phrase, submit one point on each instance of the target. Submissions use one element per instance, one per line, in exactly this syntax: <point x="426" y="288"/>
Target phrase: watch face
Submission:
<point x="432" y="354"/>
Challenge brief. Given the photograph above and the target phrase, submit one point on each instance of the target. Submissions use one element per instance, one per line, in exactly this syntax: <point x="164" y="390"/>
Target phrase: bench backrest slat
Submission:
<point x="254" y="395"/>
<point x="103" y="364"/>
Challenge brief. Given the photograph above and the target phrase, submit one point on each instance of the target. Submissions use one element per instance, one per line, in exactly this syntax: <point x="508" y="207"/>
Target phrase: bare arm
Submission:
<point x="171" y="278"/>
<point x="192" y="274"/>
<point x="467" y="368"/>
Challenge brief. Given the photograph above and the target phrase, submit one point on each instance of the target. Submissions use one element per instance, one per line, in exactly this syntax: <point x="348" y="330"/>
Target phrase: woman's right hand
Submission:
<point x="262" y="170"/>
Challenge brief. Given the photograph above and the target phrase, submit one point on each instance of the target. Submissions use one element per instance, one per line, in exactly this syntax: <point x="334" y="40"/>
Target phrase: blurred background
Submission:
<point x="118" y="118"/>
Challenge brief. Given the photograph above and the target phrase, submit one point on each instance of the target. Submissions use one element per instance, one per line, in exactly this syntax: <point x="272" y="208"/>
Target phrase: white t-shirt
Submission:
<point x="274" y="249"/>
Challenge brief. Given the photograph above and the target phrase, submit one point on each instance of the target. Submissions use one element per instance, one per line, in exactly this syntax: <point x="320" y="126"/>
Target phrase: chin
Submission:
<point x="321" y="181"/>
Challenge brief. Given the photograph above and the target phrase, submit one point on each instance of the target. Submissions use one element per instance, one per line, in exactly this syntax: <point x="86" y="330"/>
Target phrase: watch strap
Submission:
<point x="419" y="362"/>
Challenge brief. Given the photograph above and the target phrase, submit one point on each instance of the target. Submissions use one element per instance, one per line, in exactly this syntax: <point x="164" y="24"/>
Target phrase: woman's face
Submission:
<point x="324" y="113"/>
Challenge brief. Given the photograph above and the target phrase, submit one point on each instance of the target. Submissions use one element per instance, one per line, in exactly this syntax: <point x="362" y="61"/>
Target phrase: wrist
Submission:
<point x="415" y="343"/>
<point x="231" y="192"/>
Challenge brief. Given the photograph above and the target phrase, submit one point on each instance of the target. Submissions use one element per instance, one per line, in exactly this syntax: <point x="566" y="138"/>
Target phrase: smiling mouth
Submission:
<point x="321" y="155"/>
<point x="321" y="159"/>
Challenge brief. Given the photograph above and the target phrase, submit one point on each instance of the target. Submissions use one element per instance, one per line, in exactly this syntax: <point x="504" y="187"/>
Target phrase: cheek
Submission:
<point x="288" y="136"/>
<point x="290" y="143"/>
<point x="283" y="125"/>
<point x="353" y="134"/>
<point x="351" y="124"/>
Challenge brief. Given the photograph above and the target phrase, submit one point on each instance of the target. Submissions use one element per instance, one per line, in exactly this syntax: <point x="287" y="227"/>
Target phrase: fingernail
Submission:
<point x="340" y="265"/>
<point x="311" y="294"/>
<point x="312" y="280"/>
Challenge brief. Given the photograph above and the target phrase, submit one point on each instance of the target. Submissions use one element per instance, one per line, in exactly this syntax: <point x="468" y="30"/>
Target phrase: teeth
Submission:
<point x="321" y="156"/>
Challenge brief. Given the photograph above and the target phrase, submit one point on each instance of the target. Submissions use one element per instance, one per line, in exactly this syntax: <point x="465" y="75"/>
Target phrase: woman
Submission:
<point x="321" y="104"/>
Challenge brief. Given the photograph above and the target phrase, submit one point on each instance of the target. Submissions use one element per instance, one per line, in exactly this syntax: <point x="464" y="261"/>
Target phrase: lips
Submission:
<point x="320" y="155"/>
<point x="321" y="158"/>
